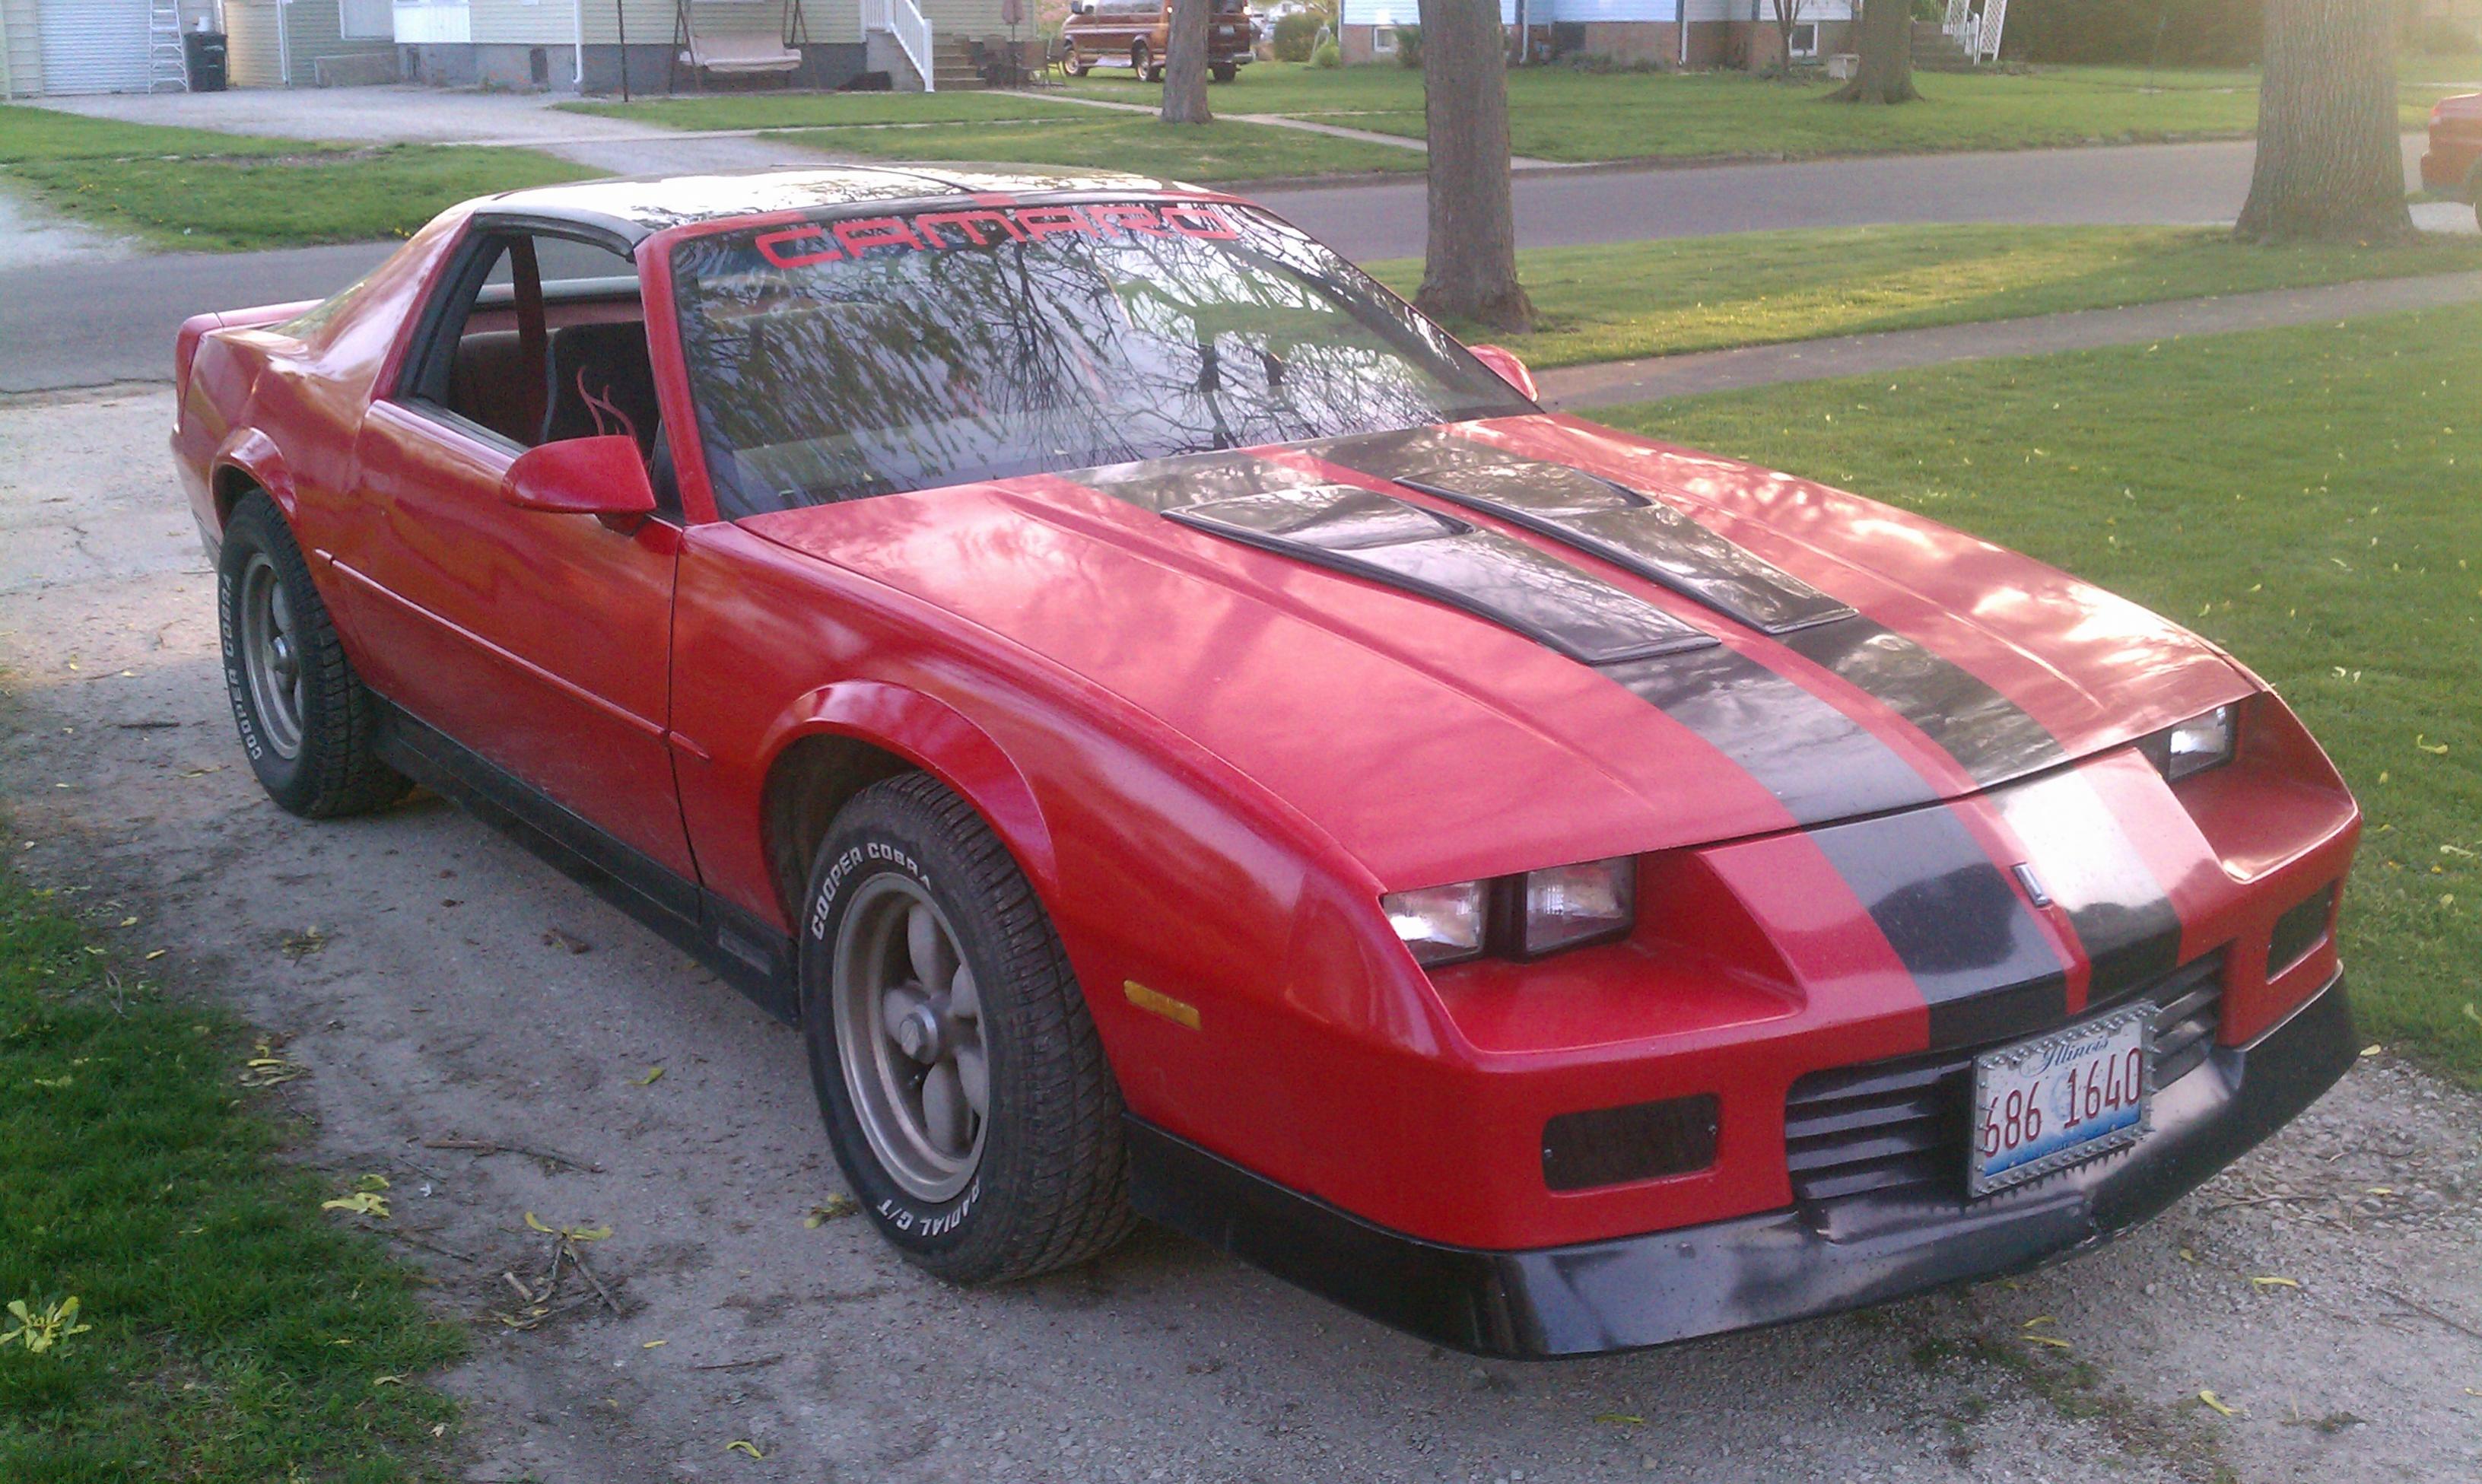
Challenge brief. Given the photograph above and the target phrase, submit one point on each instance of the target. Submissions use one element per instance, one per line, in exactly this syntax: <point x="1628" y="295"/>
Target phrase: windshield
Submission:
<point x="840" y="359"/>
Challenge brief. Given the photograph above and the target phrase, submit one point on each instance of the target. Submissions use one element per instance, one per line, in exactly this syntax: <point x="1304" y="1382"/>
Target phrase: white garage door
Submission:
<point x="94" y="45"/>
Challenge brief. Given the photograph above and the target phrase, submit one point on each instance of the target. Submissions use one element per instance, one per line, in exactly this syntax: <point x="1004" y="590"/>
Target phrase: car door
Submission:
<point x="539" y="642"/>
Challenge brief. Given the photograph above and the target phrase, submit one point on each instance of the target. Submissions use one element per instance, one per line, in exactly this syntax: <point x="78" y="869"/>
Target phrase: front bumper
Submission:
<point x="1750" y="1271"/>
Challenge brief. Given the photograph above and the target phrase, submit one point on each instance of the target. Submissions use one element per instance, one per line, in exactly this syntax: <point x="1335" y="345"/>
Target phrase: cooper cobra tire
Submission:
<point x="306" y="721"/>
<point x="912" y="889"/>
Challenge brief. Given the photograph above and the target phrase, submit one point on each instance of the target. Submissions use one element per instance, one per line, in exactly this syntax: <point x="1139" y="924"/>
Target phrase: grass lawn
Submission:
<point x="212" y="192"/>
<point x="1561" y="114"/>
<point x="237" y="1333"/>
<point x="1222" y="150"/>
<point x="1610" y="302"/>
<point x="2304" y="498"/>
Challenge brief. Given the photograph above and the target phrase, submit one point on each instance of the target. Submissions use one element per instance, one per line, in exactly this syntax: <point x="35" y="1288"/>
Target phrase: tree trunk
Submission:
<point x="2329" y="167"/>
<point x="1469" y="259"/>
<point x="1184" y="99"/>
<point x="1885" y="74"/>
<point x="1787" y="15"/>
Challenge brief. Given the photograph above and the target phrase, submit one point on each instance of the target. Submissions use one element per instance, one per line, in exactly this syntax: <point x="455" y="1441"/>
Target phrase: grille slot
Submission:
<point x="1901" y="1124"/>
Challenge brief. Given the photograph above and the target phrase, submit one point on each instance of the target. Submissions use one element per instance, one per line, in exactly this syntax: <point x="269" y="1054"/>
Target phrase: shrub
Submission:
<point x="1297" y="36"/>
<point x="2136" y="32"/>
<point x="1327" y="56"/>
<point x="1409" y="46"/>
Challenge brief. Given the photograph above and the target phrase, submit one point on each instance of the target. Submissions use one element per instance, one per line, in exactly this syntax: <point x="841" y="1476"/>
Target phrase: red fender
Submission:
<point x="254" y="454"/>
<point x="935" y="737"/>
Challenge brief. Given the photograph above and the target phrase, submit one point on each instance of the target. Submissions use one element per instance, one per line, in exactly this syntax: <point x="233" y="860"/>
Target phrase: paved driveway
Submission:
<point x="462" y="989"/>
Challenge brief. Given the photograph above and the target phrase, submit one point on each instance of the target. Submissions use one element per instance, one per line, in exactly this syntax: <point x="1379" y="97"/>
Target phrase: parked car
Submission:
<point x="2453" y="164"/>
<point x="1180" y="735"/>
<point x="1137" y="34"/>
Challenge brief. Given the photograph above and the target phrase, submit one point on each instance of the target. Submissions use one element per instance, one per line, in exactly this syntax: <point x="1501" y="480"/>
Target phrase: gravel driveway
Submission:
<point x="442" y="986"/>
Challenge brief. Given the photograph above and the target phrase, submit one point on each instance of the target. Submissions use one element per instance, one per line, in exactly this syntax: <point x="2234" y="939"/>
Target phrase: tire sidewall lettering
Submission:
<point x="901" y="1218"/>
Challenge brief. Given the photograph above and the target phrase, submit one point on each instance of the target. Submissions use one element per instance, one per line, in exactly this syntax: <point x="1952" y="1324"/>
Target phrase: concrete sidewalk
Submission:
<point x="1611" y="383"/>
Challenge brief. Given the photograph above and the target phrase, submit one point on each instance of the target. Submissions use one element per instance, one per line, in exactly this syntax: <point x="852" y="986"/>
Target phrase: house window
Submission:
<point x="1383" y="40"/>
<point x="1804" y="38"/>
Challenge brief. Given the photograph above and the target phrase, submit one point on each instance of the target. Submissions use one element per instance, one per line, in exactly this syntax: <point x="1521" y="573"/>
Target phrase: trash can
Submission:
<point x="204" y="51"/>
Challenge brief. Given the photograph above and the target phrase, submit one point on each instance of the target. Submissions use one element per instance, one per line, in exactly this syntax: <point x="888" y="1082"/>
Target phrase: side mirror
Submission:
<point x="1509" y="368"/>
<point x="598" y="476"/>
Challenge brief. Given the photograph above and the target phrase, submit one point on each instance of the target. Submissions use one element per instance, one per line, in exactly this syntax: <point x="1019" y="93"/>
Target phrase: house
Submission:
<point x="1674" y="33"/>
<point x="71" y="46"/>
<point x="578" y="45"/>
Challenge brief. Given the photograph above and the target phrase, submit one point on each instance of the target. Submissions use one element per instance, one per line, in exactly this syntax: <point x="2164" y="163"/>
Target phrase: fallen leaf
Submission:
<point x="2038" y="1319"/>
<point x="743" y="1446"/>
<point x="301" y="945"/>
<point x="2277" y="1283"/>
<point x="2046" y="1339"/>
<point x="1620" y="1420"/>
<point x="387" y="1381"/>
<point x="157" y="954"/>
<point x="2186" y="1255"/>
<point x="654" y="1344"/>
<point x="833" y="1208"/>
<point x="569" y="1234"/>
<point x="2373" y="1051"/>
<point x="2216" y="1402"/>
<point x="362" y="1202"/>
<point x="653" y="1076"/>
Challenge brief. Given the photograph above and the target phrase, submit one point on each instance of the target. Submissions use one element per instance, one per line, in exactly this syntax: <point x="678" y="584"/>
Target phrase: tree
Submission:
<point x="1787" y="15"/>
<point x="2328" y="162"/>
<point x="1469" y="259"/>
<point x="1184" y="99"/>
<point x="1885" y="74"/>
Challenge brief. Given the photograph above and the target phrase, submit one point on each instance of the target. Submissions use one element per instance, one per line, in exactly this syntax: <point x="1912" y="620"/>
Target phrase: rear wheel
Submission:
<point x="1225" y="71"/>
<point x="306" y="721"/>
<point x="1142" y="61"/>
<point x="963" y="1087"/>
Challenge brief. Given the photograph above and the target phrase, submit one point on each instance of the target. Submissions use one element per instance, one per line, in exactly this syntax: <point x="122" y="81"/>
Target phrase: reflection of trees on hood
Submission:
<point x="910" y="369"/>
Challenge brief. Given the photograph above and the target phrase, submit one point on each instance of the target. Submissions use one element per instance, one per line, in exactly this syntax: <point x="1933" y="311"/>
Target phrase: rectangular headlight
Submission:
<point x="1440" y="924"/>
<point x="1570" y="905"/>
<point x="2200" y="743"/>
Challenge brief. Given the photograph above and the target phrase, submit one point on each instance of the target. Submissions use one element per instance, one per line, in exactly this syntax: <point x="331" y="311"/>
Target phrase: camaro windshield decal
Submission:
<point x="1392" y="541"/>
<point x="983" y="226"/>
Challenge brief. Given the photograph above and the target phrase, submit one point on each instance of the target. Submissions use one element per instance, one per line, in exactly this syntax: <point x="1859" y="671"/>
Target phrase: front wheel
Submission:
<point x="1071" y="63"/>
<point x="962" y="1085"/>
<point x="1142" y="61"/>
<point x="306" y="721"/>
<point x="1225" y="71"/>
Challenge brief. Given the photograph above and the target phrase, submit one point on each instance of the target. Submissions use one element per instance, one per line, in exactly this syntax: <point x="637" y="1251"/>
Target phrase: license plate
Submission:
<point x="2046" y="1103"/>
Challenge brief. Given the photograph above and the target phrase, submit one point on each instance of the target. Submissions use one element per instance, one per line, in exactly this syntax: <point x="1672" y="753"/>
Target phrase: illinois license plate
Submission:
<point x="2046" y="1103"/>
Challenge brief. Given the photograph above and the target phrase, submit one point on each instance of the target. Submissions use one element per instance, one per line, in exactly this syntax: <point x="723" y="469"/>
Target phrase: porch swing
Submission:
<point x="739" y="50"/>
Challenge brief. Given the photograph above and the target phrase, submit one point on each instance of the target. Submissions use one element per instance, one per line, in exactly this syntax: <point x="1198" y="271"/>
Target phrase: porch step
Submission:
<point x="952" y="66"/>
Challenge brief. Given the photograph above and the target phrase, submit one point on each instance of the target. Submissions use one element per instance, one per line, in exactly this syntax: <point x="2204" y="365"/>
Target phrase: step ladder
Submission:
<point x="168" y="57"/>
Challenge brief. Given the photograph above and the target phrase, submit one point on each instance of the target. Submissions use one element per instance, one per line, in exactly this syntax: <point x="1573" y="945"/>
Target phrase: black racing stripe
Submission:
<point x="2085" y="863"/>
<point x="1955" y="920"/>
<point x="1987" y="734"/>
<point x="1596" y="515"/>
<point x="1382" y="539"/>
<point x="1821" y="764"/>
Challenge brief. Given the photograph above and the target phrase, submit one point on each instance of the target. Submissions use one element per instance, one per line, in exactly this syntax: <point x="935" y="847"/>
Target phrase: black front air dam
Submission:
<point x="1754" y="1270"/>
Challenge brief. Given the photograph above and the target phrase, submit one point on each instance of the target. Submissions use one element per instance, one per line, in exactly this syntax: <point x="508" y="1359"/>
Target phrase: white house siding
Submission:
<point x="269" y="50"/>
<point x="23" y="46"/>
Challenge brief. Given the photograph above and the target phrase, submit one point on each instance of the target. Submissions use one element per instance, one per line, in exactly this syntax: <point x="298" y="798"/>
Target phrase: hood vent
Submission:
<point x="1602" y="519"/>
<point x="1395" y="542"/>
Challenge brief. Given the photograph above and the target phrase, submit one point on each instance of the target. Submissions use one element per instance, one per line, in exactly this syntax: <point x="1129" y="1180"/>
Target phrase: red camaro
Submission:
<point x="1183" y="736"/>
<point x="2453" y="163"/>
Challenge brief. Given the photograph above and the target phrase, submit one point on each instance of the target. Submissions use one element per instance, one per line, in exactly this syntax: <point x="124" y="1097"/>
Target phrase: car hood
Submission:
<point x="1493" y="646"/>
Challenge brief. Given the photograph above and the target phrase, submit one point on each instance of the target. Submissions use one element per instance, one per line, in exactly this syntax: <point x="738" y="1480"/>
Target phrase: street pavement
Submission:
<point x="110" y="318"/>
